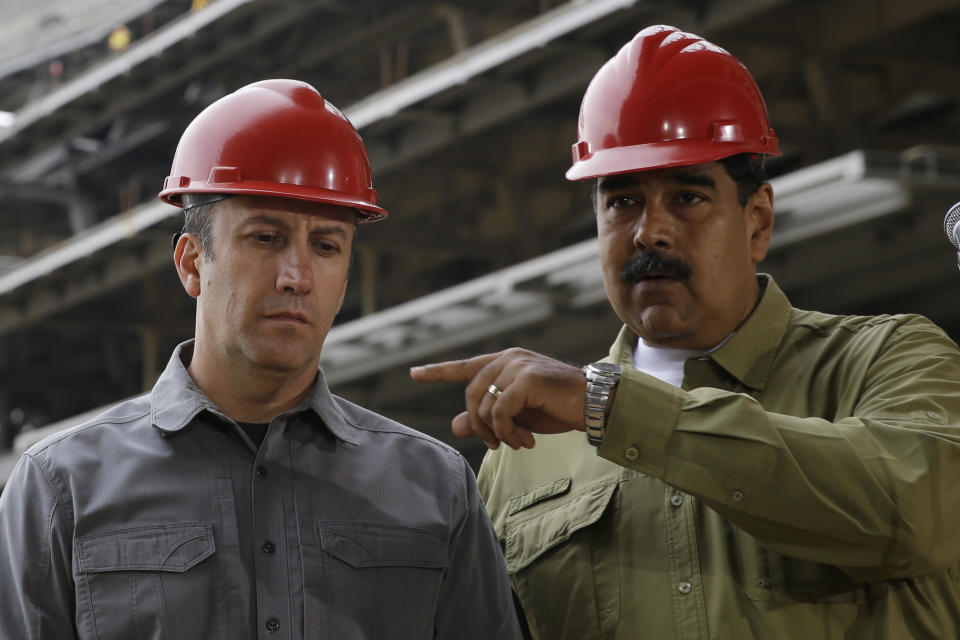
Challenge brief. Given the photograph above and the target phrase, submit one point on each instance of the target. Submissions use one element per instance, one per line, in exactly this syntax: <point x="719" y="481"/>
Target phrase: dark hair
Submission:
<point x="747" y="170"/>
<point x="197" y="218"/>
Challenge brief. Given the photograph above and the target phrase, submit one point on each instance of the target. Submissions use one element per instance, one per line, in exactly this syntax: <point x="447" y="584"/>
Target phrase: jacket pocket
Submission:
<point x="376" y="574"/>
<point x="550" y="548"/>
<point x="539" y="526"/>
<point x="147" y="581"/>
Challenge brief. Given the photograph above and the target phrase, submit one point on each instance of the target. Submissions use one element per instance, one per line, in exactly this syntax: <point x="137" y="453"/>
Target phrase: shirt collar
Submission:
<point x="748" y="355"/>
<point x="176" y="399"/>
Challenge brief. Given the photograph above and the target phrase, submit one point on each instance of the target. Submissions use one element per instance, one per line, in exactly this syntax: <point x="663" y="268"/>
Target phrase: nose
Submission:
<point x="654" y="228"/>
<point x="294" y="271"/>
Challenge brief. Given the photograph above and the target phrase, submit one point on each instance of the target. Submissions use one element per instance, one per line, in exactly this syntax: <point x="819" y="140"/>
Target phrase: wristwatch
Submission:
<point x="602" y="379"/>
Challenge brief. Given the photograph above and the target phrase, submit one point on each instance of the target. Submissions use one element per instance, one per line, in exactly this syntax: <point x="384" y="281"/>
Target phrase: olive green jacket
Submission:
<point x="804" y="483"/>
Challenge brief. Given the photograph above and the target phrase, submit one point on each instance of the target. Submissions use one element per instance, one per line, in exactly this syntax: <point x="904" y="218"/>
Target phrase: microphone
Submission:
<point x="951" y="227"/>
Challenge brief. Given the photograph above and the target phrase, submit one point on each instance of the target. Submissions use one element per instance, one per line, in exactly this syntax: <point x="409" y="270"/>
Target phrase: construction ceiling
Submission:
<point x="468" y="109"/>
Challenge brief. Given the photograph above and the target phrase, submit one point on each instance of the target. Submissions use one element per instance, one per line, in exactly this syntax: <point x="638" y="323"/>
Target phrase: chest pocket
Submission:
<point x="148" y="581"/>
<point x="550" y="537"/>
<point x="536" y="523"/>
<point x="382" y="575"/>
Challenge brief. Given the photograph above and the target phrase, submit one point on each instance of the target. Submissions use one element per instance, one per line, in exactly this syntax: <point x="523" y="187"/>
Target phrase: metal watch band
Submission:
<point x="602" y="379"/>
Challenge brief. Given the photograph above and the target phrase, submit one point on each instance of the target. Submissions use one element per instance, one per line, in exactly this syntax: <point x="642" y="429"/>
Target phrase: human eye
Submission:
<point x="266" y="238"/>
<point x="690" y="197"/>
<point x="326" y="247"/>
<point x="620" y="201"/>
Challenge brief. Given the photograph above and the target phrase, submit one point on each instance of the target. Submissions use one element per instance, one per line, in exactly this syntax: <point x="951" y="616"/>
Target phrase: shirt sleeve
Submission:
<point x="873" y="493"/>
<point x="36" y="600"/>
<point x="475" y="598"/>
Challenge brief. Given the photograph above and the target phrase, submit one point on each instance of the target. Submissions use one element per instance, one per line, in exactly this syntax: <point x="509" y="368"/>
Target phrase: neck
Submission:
<point x="246" y="392"/>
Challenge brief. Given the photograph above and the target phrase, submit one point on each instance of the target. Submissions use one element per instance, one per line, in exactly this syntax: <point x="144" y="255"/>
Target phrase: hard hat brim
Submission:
<point x="367" y="212"/>
<point x="661" y="155"/>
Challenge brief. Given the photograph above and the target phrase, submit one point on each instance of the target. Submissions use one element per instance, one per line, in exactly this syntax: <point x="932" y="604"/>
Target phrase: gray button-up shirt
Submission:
<point x="161" y="519"/>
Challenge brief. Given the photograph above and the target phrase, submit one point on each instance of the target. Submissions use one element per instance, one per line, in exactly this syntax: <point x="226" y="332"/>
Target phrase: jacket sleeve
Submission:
<point x="475" y="598"/>
<point x="874" y="492"/>
<point x="36" y="600"/>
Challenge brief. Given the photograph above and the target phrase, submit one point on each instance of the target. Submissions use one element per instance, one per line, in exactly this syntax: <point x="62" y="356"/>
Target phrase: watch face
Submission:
<point x="605" y="367"/>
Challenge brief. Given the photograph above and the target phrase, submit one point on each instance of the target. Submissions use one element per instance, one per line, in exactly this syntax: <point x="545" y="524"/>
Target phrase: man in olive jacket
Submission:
<point x="750" y="470"/>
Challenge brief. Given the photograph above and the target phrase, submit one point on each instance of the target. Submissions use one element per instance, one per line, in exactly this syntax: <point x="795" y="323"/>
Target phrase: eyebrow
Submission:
<point x="607" y="184"/>
<point x="323" y="229"/>
<point x="614" y="182"/>
<point x="695" y="180"/>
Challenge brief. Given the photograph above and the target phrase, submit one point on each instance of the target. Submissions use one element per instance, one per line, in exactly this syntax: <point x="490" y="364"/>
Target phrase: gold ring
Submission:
<point x="495" y="391"/>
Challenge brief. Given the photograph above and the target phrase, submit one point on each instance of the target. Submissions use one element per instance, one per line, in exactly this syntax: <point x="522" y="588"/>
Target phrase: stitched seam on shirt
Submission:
<point x="459" y="475"/>
<point x="151" y="527"/>
<point x="48" y="539"/>
<point x="789" y="319"/>
<point x="70" y="431"/>
<point x="445" y="448"/>
<point x="845" y="325"/>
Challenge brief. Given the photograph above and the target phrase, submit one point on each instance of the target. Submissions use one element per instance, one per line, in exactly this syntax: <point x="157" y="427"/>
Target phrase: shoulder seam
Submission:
<point x="84" y="426"/>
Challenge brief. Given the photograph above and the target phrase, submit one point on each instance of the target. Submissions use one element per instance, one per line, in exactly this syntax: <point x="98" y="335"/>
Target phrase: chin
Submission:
<point x="284" y="357"/>
<point x="658" y="323"/>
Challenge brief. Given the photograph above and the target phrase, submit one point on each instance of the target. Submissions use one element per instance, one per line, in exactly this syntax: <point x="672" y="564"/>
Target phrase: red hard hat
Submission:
<point x="668" y="99"/>
<point x="274" y="138"/>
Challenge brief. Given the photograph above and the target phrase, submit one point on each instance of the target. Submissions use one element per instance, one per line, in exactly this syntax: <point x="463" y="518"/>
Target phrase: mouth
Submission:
<point x="656" y="275"/>
<point x="655" y="279"/>
<point x="288" y="316"/>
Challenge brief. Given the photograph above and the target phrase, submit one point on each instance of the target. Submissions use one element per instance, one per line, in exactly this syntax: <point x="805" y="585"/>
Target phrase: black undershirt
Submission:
<point x="255" y="431"/>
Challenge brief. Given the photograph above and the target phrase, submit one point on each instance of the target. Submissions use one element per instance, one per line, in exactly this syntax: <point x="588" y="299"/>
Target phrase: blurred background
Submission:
<point x="469" y="110"/>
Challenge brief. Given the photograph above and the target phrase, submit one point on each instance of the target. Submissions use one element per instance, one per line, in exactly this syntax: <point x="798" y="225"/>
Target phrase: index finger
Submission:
<point x="452" y="370"/>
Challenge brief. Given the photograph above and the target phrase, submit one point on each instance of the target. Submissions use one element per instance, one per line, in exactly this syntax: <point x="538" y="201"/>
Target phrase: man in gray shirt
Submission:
<point x="240" y="499"/>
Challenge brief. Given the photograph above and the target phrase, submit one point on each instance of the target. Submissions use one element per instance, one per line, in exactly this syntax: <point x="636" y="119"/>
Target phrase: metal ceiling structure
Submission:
<point x="469" y="111"/>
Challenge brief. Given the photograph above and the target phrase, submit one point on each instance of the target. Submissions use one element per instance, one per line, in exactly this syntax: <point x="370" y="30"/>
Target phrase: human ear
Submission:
<point x="760" y="221"/>
<point x="188" y="257"/>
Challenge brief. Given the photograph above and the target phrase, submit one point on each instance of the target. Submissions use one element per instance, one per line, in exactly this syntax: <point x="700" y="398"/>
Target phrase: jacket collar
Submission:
<point x="748" y="355"/>
<point x="176" y="400"/>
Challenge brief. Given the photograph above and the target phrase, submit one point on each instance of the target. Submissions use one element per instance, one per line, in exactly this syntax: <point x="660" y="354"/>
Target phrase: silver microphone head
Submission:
<point x="950" y="224"/>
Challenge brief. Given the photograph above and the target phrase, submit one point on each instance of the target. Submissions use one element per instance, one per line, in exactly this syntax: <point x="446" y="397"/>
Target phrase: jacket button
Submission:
<point x="676" y="499"/>
<point x="273" y="625"/>
<point x="684" y="587"/>
<point x="261" y="471"/>
<point x="268" y="547"/>
<point x="632" y="453"/>
<point x="738" y="495"/>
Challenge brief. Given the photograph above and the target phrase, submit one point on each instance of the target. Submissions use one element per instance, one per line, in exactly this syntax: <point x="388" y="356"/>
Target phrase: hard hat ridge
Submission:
<point x="275" y="138"/>
<point x="668" y="98"/>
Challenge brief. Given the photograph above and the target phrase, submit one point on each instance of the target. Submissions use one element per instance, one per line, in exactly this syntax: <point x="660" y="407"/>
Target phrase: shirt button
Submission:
<point x="738" y="495"/>
<point x="632" y="453"/>
<point x="676" y="499"/>
<point x="684" y="587"/>
<point x="268" y="547"/>
<point x="261" y="471"/>
<point x="273" y="625"/>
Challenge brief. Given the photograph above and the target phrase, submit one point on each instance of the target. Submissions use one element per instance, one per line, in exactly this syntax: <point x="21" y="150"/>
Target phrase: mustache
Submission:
<point x="654" y="261"/>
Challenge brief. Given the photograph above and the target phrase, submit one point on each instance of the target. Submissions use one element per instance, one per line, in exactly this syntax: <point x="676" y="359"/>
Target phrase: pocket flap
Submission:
<point x="527" y="538"/>
<point x="366" y="544"/>
<point x="532" y="497"/>
<point x="172" y="547"/>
